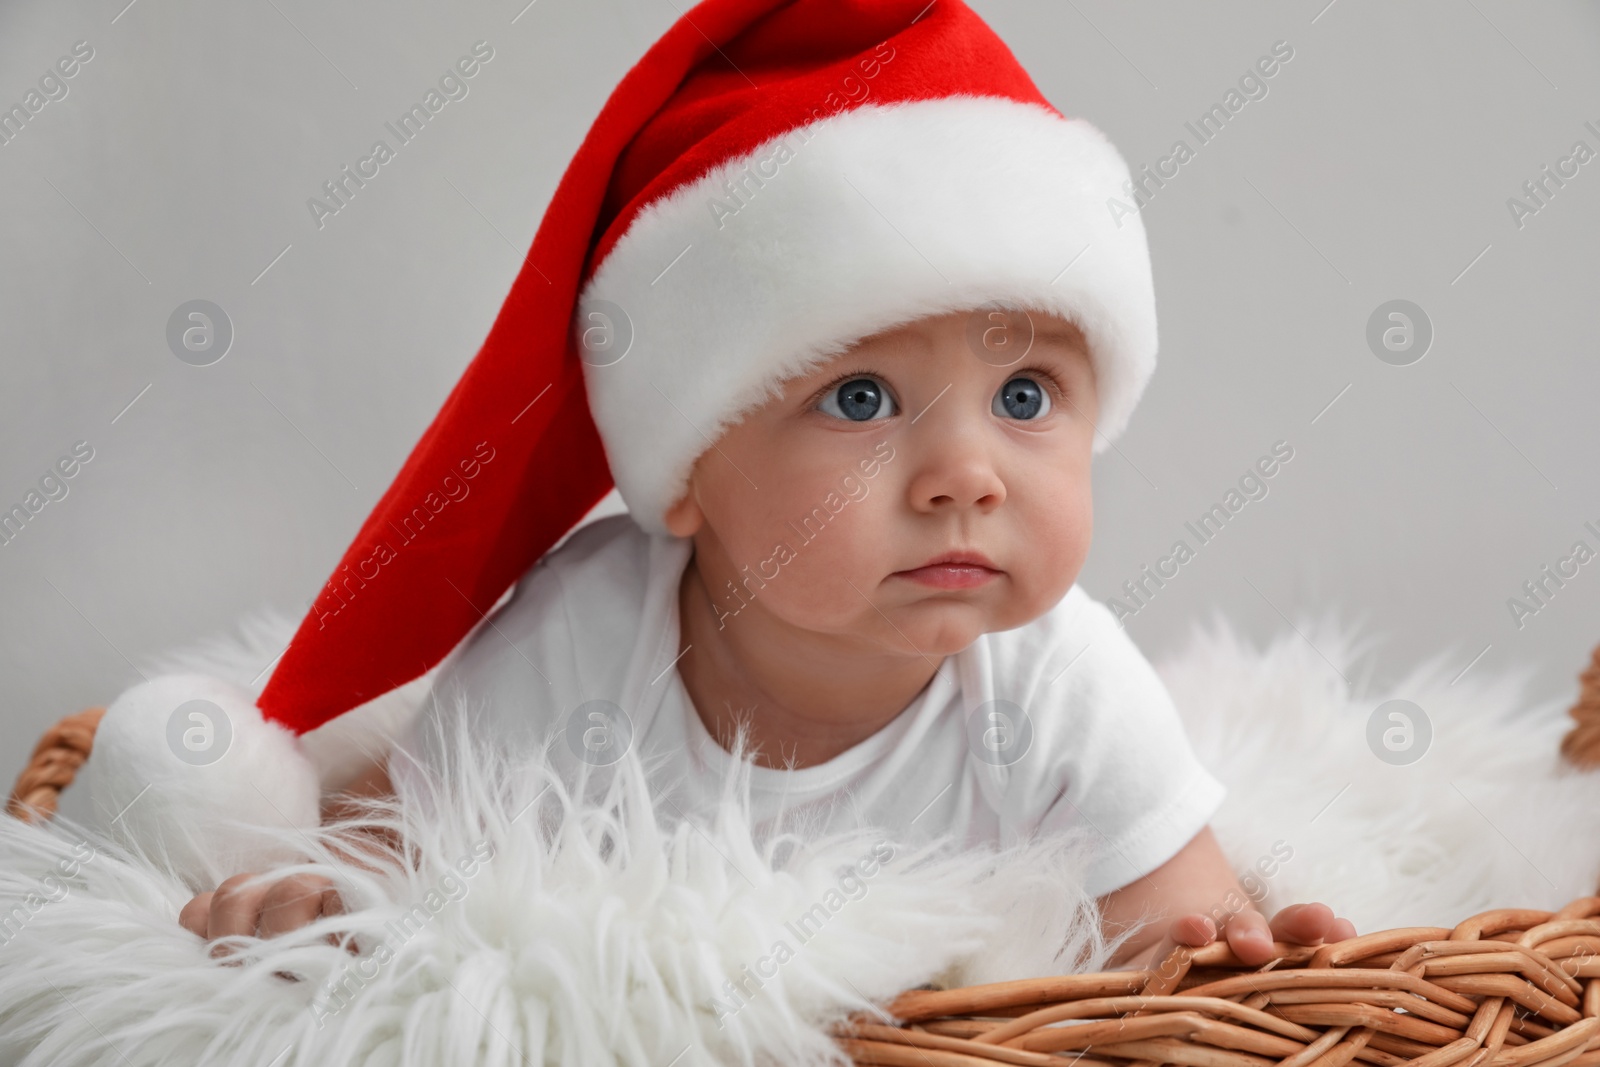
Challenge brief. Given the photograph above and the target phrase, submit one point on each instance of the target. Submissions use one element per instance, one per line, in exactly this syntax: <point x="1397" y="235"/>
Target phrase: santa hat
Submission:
<point x="772" y="181"/>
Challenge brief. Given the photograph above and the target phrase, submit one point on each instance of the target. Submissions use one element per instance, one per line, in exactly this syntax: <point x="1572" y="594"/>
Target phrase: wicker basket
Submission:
<point x="1513" y="987"/>
<point x="1507" y="987"/>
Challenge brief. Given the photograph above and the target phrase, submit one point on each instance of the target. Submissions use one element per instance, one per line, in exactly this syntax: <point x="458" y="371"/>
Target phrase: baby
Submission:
<point x="852" y="308"/>
<point x="919" y="515"/>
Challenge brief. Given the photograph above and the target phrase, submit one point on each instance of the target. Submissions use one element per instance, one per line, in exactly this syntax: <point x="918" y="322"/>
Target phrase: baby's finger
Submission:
<point x="1303" y="924"/>
<point x="1194" y="930"/>
<point x="294" y="902"/>
<point x="1249" y="937"/>
<point x="236" y="907"/>
<point x="1342" y="929"/>
<point x="196" y="914"/>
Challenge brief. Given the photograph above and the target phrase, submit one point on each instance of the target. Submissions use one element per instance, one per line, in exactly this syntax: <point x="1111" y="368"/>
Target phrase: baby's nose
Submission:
<point x="950" y="470"/>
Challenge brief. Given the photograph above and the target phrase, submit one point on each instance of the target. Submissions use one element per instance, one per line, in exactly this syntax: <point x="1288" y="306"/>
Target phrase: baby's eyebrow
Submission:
<point x="1065" y="338"/>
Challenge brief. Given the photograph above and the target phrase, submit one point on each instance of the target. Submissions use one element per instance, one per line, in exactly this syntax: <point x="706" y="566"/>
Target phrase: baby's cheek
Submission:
<point x="1061" y="531"/>
<point x="1072" y="515"/>
<point x="818" y="585"/>
<point x="1077" y="537"/>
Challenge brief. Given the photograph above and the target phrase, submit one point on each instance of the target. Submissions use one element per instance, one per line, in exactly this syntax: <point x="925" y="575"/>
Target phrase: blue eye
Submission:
<point x="1021" y="398"/>
<point x="859" y="400"/>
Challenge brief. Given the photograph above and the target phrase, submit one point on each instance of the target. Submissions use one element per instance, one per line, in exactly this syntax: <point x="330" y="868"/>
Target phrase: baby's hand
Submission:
<point x="262" y="909"/>
<point x="1250" y="935"/>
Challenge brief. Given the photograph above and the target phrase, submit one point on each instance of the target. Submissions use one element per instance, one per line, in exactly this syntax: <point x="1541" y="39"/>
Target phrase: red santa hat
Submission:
<point x="772" y="181"/>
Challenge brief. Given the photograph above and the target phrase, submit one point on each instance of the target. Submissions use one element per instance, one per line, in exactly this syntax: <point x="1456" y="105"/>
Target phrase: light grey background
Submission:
<point x="1377" y="167"/>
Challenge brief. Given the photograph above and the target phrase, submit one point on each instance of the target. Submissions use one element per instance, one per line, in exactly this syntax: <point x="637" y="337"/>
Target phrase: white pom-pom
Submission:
<point x="185" y="770"/>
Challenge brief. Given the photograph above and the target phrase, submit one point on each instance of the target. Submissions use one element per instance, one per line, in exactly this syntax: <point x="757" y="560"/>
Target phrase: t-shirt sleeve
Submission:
<point x="1113" y="759"/>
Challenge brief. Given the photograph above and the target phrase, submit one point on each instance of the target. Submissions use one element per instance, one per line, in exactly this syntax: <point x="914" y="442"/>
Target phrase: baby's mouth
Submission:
<point x="962" y="570"/>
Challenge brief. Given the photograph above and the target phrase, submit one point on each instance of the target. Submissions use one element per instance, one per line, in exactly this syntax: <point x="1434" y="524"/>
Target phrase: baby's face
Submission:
<point x="934" y="439"/>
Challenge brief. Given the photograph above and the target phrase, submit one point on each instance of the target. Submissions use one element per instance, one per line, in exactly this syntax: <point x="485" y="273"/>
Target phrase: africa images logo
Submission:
<point x="1252" y="486"/>
<point x="1205" y="129"/>
<point x="453" y="85"/>
<point x="345" y="584"/>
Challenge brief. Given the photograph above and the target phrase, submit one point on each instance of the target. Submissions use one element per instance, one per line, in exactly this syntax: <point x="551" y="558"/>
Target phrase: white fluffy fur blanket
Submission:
<point x="529" y="926"/>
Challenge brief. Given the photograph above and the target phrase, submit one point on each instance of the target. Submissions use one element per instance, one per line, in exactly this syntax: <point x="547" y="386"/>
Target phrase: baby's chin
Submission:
<point x="944" y="624"/>
<point x="896" y="615"/>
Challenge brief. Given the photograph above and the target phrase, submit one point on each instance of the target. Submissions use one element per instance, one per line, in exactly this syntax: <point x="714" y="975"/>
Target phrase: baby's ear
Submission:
<point x="684" y="517"/>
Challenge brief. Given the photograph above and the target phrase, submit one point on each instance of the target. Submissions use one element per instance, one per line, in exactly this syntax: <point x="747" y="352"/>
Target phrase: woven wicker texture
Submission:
<point x="1581" y="746"/>
<point x="53" y="766"/>
<point x="1507" y="988"/>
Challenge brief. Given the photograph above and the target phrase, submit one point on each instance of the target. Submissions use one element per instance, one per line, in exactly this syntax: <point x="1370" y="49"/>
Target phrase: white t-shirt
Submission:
<point x="1087" y="735"/>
